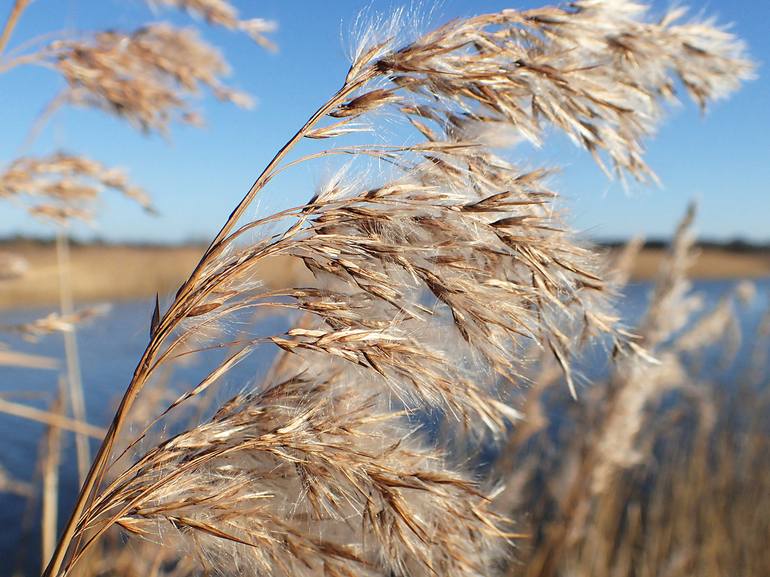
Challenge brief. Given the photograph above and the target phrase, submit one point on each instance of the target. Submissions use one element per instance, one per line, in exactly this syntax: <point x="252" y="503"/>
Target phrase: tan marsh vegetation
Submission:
<point x="448" y="312"/>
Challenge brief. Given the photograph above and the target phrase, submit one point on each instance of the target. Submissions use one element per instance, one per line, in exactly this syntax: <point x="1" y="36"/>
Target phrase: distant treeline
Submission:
<point x="734" y="245"/>
<point x="43" y="241"/>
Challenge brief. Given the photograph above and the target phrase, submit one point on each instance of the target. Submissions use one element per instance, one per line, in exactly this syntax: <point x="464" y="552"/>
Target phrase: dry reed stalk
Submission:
<point x="611" y="505"/>
<point x="636" y="381"/>
<point x="50" y="478"/>
<point x="16" y="359"/>
<point x="675" y="337"/>
<point x="698" y="507"/>
<point x="641" y="381"/>
<point x="48" y="418"/>
<point x="26" y="524"/>
<point x="434" y="278"/>
<point x="146" y="76"/>
<point x="74" y="378"/>
<point x="61" y="187"/>
<point x="10" y="23"/>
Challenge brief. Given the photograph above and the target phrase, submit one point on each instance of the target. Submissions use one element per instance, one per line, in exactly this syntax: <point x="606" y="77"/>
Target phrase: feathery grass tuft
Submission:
<point x="439" y="279"/>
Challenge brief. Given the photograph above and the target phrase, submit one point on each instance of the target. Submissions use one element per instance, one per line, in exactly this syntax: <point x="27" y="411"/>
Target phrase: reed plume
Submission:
<point x="149" y="77"/>
<point x="638" y="381"/>
<point x="144" y="76"/>
<point x="61" y="187"/>
<point x="223" y="13"/>
<point x="438" y="273"/>
<point x="17" y="359"/>
<point x="662" y="461"/>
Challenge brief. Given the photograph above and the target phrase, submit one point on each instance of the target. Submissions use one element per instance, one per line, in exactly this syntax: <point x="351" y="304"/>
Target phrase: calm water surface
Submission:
<point x="109" y="349"/>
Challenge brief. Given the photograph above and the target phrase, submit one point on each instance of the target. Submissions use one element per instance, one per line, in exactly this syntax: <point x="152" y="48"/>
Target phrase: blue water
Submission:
<point x="109" y="348"/>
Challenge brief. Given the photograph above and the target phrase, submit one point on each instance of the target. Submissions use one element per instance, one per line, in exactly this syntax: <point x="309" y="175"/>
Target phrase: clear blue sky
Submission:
<point x="197" y="176"/>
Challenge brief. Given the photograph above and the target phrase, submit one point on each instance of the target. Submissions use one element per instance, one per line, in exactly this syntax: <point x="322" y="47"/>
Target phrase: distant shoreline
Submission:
<point x="113" y="272"/>
<point x="120" y="272"/>
<point x="712" y="262"/>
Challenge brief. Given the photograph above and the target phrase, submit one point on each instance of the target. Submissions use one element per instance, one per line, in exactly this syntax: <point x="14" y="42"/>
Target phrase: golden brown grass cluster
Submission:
<point x="663" y="469"/>
<point x="223" y="13"/>
<point x="148" y="77"/>
<point x="441" y="275"/>
<point x="444" y="279"/>
<point x="144" y="75"/>
<point x="62" y="187"/>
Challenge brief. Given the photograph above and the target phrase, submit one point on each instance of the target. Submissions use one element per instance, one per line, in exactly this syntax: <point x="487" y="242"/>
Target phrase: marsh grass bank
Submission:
<point x="126" y="272"/>
<point x="113" y="272"/>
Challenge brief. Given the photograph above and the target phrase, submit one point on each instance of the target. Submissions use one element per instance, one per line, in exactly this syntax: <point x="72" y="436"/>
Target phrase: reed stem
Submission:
<point x="49" y="418"/>
<point x="74" y="378"/>
<point x="50" y="474"/>
<point x="93" y="478"/>
<point x="10" y="24"/>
